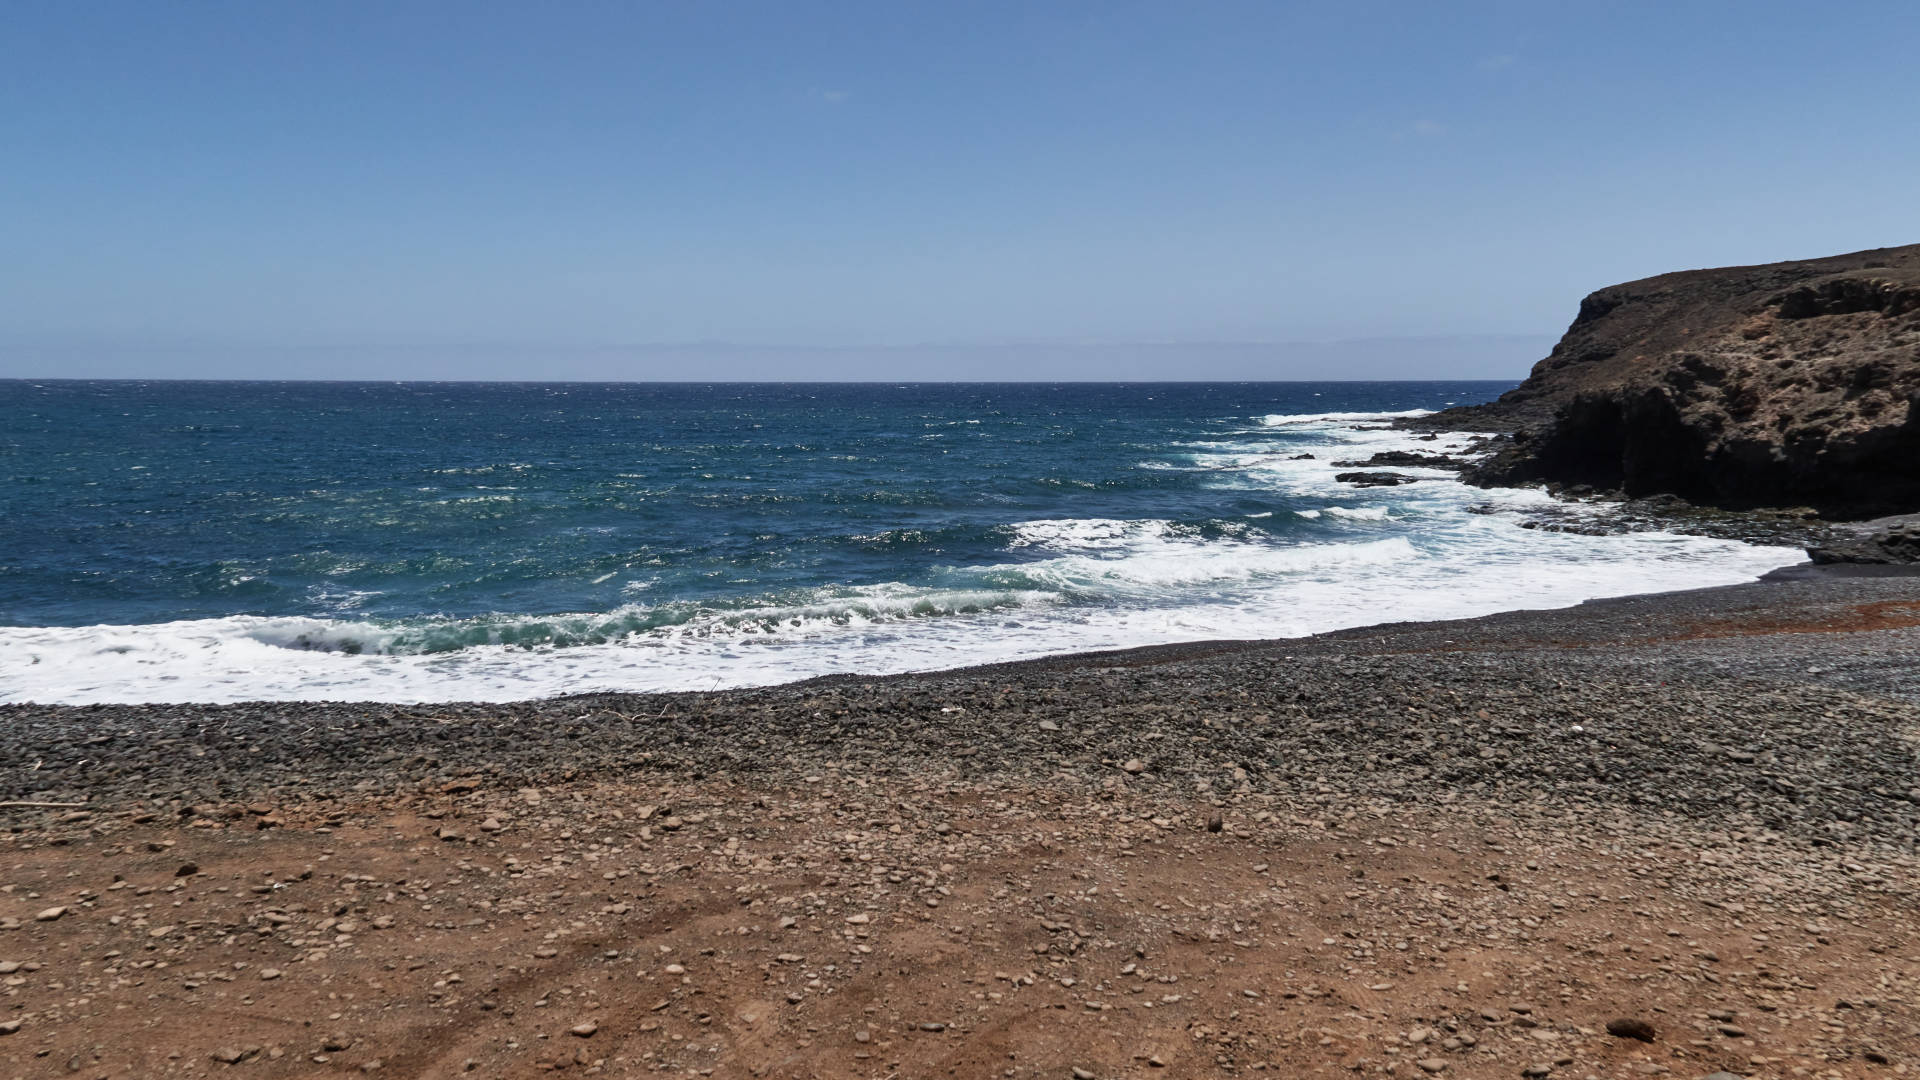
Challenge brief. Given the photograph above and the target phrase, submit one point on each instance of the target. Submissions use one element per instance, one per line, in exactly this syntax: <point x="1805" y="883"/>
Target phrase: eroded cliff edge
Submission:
<point x="1790" y="384"/>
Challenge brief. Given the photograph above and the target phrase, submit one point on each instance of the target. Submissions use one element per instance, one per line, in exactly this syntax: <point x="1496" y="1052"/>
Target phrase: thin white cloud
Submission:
<point x="1496" y="62"/>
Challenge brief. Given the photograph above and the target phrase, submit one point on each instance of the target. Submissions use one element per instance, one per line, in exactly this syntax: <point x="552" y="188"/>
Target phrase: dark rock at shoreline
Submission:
<point x="1786" y="384"/>
<point x="1405" y="459"/>
<point x="1375" y="479"/>
<point x="1888" y="541"/>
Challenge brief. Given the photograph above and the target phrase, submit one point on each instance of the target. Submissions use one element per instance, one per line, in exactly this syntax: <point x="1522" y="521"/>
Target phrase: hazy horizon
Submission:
<point x="1472" y="358"/>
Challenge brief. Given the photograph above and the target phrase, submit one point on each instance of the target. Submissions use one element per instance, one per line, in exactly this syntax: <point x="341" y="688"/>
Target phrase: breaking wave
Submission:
<point x="1288" y="552"/>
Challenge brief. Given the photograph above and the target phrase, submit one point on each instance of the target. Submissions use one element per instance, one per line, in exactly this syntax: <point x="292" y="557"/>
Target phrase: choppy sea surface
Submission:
<point x="189" y="542"/>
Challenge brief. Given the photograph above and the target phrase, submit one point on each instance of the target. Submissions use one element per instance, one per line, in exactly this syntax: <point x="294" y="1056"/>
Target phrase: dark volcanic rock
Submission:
<point x="1374" y="479"/>
<point x="1404" y="459"/>
<point x="1628" y="1027"/>
<point x="1894" y="540"/>
<point x="1781" y="385"/>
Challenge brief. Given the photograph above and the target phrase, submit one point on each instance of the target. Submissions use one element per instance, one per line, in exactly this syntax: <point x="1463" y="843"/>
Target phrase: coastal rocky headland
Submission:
<point x="1792" y="384"/>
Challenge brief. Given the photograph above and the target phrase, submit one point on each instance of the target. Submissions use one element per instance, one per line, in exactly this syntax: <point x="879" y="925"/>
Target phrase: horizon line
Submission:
<point x="1216" y="343"/>
<point x="755" y="382"/>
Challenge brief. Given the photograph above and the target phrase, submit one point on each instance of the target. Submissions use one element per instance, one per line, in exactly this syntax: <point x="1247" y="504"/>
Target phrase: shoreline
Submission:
<point x="1456" y="848"/>
<point x="75" y="752"/>
<point x="1799" y="571"/>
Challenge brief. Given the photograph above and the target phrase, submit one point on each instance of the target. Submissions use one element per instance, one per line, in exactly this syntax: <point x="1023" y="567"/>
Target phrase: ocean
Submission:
<point x="414" y="542"/>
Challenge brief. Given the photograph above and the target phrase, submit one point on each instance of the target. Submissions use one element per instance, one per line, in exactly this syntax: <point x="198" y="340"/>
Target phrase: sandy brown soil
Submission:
<point x="843" y="925"/>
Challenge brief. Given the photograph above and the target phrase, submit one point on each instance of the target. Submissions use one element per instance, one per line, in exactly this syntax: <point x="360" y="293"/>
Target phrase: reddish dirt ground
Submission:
<point x="843" y="925"/>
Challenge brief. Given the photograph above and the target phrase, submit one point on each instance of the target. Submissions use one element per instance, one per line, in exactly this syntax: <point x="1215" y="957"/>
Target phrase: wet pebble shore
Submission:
<point x="1788" y="707"/>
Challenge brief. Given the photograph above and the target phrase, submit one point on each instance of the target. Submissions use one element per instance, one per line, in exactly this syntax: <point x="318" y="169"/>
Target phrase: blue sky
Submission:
<point x="199" y="189"/>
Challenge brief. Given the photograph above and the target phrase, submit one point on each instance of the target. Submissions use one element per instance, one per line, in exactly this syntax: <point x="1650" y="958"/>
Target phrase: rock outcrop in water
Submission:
<point x="1791" y="384"/>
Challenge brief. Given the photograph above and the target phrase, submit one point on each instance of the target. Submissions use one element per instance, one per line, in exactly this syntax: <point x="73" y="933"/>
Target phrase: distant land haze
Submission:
<point x="1484" y="356"/>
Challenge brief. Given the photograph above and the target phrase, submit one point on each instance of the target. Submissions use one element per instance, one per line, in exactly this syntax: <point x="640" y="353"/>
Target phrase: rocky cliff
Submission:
<point x="1791" y="384"/>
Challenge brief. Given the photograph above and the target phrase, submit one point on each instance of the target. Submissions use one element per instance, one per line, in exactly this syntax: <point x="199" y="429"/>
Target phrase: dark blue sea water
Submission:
<point x="218" y="541"/>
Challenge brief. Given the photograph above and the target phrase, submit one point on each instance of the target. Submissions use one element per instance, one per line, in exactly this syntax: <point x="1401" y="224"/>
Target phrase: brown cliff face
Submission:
<point x="1789" y="384"/>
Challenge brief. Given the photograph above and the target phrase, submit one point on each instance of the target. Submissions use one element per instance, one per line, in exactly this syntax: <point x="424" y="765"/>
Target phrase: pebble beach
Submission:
<point x="1478" y="848"/>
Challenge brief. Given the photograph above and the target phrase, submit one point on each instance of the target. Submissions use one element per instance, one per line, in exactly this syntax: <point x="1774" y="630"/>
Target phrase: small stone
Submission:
<point x="491" y="825"/>
<point x="269" y="974"/>
<point x="187" y="870"/>
<point x="933" y="1025"/>
<point x="860" y="920"/>
<point x="50" y="914"/>
<point x="584" y="1030"/>
<point x="1432" y="1065"/>
<point x="9" y="1027"/>
<point x="1215" y="823"/>
<point x="1082" y="1074"/>
<point x="226" y="1055"/>
<point x="1535" y="1072"/>
<point x="1630" y="1027"/>
<point x="8" y="967"/>
<point x="1732" y="1031"/>
<point x="1134" y="766"/>
<point x="863" y="1035"/>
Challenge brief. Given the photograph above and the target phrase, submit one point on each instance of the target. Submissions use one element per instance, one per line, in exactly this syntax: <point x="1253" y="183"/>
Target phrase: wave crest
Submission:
<point x="873" y="604"/>
<point x="1285" y="419"/>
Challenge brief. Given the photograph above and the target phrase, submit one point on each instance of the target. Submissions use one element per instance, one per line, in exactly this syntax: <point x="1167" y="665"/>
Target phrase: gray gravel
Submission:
<point x="1648" y="702"/>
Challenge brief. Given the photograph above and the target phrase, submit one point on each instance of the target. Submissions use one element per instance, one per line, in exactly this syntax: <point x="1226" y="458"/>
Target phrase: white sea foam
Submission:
<point x="1285" y="419"/>
<point x="241" y="658"/>
<point x="1066" y="585"/>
